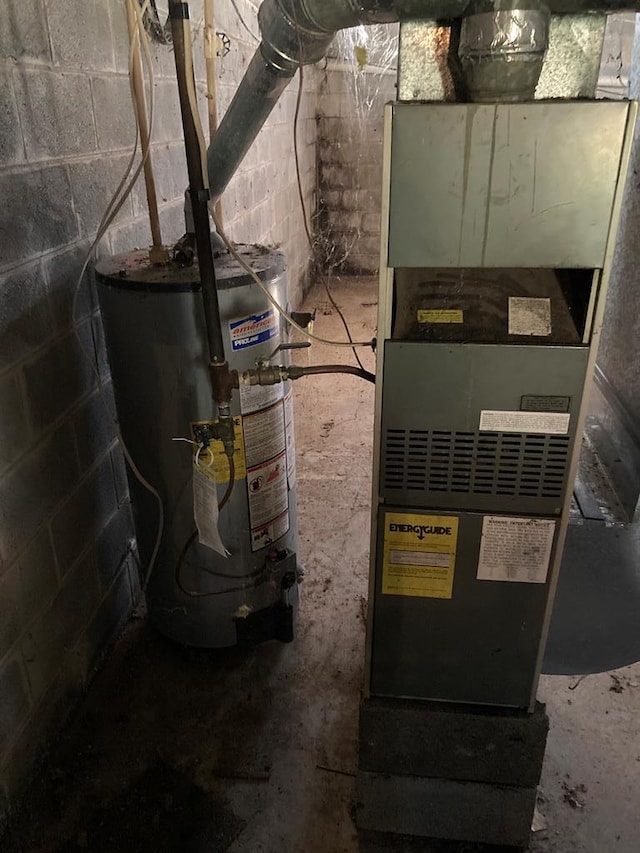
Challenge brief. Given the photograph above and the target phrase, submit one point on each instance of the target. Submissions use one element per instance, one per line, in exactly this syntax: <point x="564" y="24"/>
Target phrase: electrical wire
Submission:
<point x="247" y="268"/>
<point x="117" y="200"/>
<point x="303" y="206"/>
<point x="243" y="22"/>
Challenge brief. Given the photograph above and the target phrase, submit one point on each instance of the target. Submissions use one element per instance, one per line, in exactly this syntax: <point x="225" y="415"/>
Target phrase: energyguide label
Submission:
<point x="419" y="555"/>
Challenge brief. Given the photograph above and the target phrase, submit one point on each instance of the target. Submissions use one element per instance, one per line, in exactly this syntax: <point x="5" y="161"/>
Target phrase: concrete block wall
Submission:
<point x="68" y="576"/>
<point x="350" y="138"/>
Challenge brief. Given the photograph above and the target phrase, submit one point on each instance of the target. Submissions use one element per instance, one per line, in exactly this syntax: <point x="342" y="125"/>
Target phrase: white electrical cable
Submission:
<point x="274" y="301"/>
<point x="114" y="206"/>
<point x="193" y="104"/>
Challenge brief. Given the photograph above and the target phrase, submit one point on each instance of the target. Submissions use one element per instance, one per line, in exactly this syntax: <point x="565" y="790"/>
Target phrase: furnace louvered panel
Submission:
<point x="453" y="467"/>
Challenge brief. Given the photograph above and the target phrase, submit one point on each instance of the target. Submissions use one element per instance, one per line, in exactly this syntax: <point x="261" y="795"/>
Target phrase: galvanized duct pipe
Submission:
<point x="298" y="32"/>
<point x="295" y="32"/>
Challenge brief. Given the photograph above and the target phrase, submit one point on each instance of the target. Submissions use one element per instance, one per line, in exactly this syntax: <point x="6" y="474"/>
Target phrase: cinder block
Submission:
<point x="11" y="142"/>
<point x="114" y="544"/>
<point x="344" y="220"/>
<point x="338" y="176"/>
<point x="93" y="427"/>
<point x="62" y="272"/>
<point x="371" y="223"/>
<point x="172" y="221"/>
<point x="49" y="638"/>
<point x="59" y="377"/>
<point x="356" y="263"/>
<point x="81" y="518"/>
<point x="26" y="588"/>
<point x="115" y="121"/>
<point x="30" y="491"/>
<point x="167" y="121"/>
<point x="170" y="173"/>
<point x="119" y="36"/>
<point x="23" y="32"/>
<point x="131" y="236"/>
<point x="93" y="184"/>
<point x="441" y="808"/>
<point x="14" y="702"/>
<point x="64" y="693"/>
<point x="35" y="214"/>
<point x="25" y="315"/>
<point x="452" y="742"/>
<point x="109" y="619"/>
<point x="14" y="432"/>
<point x="80" y="33"/>
<point x="55" y="112"/>
<point x="120" y="475"/>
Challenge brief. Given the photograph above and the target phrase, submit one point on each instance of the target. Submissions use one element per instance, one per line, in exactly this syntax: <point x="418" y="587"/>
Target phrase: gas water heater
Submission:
<point x="156" y="340"/>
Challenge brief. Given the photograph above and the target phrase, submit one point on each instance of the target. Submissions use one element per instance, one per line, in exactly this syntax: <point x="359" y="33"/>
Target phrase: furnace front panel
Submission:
<point x="500" y="222"/>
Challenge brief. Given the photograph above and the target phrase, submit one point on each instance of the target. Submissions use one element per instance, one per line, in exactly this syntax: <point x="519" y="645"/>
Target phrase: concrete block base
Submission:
<point x="432" y="771"/>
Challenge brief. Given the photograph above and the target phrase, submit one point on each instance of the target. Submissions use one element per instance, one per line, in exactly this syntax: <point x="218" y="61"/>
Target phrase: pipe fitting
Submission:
<point x="289" y="37"/>
<point x="264" y="374"/>
<point x="223" y="381"/>
<point x="502" y="51"/>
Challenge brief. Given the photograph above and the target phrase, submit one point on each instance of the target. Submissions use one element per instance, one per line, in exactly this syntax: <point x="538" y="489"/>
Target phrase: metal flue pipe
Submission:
<point x="296" y="32"/>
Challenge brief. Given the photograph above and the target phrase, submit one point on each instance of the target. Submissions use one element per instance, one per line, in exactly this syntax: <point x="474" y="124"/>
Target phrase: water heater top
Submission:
<point x="133" y="271"/>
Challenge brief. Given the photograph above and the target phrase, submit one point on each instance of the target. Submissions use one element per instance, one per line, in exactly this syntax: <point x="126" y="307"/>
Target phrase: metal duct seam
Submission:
<point x="502" y="53"/>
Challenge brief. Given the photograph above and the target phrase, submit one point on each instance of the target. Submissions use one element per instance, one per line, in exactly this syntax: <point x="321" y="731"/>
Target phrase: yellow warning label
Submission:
<point x="441" y="315"/>
<point x="213" y="460"/>
<point x="419" y="554"/>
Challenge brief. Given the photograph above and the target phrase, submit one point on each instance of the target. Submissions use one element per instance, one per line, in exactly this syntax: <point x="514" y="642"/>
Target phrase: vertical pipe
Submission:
<point x="199" y="193"/>
<point x="141" y="112"/>
<point x="212" y="87"/>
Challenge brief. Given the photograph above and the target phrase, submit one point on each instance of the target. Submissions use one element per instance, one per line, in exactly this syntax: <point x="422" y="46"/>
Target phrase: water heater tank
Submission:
<point x="157" y="347"/>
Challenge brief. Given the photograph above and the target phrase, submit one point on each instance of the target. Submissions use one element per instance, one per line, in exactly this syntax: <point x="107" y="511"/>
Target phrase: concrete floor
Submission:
<point x="188" y="751"/>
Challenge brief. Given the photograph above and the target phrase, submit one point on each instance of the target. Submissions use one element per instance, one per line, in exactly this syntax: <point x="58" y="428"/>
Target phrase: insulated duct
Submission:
<point x="296" y="32"/>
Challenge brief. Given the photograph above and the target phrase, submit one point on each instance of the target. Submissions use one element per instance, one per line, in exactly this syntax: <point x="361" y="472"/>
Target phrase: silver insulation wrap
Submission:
<point x="501" y="53"/>
<point x="509" y="32"/>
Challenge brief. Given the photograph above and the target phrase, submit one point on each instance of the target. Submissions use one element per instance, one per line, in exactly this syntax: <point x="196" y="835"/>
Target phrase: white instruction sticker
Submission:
<point x="263" y="536"/>
<point x="291" y="438"/>
<point x="264" y="435"/>
<point x="515" y="549"/>
<point x="256" y="397"/>
<point x="205" y="511"/>
<point x="543" y="423"/>
<point x="529" y="316"/>
<point x="268" y="497"/>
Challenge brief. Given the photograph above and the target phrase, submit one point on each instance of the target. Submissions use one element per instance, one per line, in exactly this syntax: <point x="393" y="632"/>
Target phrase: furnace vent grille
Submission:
<point x="475" y="463"/>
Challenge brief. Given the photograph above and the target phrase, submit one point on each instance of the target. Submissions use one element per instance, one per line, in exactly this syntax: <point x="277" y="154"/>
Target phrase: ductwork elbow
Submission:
<point x="294" y="33"/>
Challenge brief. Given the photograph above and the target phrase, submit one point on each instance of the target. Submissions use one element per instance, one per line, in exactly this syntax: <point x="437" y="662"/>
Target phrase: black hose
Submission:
<point x="317" y="369"/>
